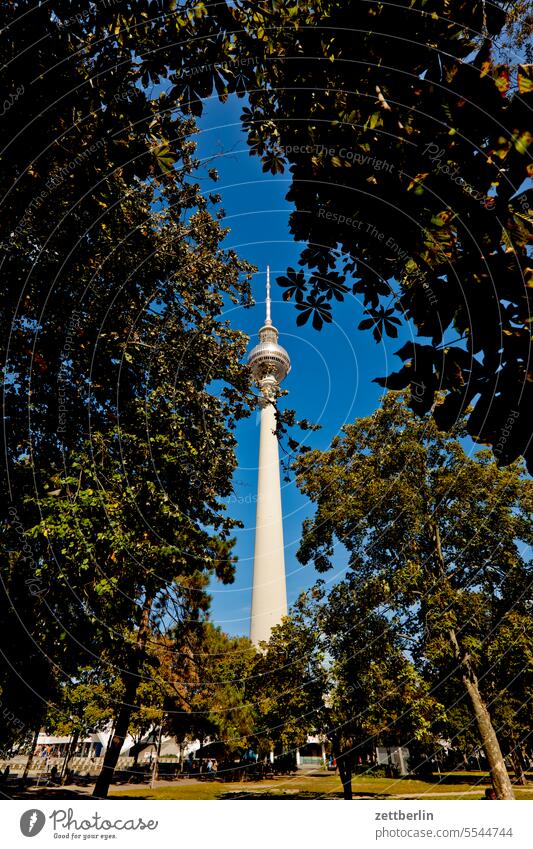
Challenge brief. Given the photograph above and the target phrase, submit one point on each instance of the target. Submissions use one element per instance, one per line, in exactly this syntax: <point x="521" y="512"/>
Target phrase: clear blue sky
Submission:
<point x="332" y="370"/>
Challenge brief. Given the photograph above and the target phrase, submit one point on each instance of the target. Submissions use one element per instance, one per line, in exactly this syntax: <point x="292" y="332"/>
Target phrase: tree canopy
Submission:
<point x="123" y="379"/>
<point x="440" y="544"/>
<point x="337" y="668"/>
<point x="406" y="129"/>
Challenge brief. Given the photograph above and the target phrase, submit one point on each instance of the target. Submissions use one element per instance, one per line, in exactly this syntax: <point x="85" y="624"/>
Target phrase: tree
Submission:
<point x="435" y="535"/>
<point x="507" y="675"/>
<point x="148" y="714"/>
<point x="122" y="604"/>
<point x="504" y="669"/>
<point x="89" y="704"/>
<point x="338" y="668"/>
<point x="287" y="683"/>
<point x="85" y="706"/>
<point x="206" y="675"/>
<point x="123" y="379"/>
<point x="377" y="696"/>
<point x="408" y="141"/>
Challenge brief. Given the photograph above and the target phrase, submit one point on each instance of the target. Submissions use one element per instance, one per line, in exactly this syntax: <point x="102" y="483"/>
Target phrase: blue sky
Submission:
<point x="332" y="370"/>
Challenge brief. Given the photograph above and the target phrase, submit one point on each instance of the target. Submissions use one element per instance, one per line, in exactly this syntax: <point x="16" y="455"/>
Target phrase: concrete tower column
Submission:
<point x="270" y="363"/>
<point x="269" y="595"/>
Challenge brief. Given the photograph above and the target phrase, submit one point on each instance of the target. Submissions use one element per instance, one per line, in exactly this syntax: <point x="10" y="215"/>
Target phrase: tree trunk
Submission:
<point x="101" y="788"/>
<point x="30" y="756"/>
<point x="524" y="763"/>
<point x="116" y="742"/>
<point x="517" y="764"/>
<point x="155" y="766"/>
<point x="70" y="750"/>
<point x="136" y="750"/>
<point x="498" y="771"/>
<point x="344" y="767"/>
<point x="345" y="774"/>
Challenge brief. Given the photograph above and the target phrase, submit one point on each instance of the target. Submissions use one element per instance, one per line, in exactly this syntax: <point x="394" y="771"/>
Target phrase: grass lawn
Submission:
<point x="322" y="786"/>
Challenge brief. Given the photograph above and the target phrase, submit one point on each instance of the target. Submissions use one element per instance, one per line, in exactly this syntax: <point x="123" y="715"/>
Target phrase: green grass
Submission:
<point x="450" y="786"/>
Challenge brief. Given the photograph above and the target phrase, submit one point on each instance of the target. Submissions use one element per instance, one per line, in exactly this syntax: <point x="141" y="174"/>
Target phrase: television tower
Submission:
<point x="270" y="364"/>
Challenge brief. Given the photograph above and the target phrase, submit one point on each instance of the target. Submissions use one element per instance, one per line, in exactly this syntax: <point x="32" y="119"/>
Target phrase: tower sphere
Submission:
<point x="268" y="359"/>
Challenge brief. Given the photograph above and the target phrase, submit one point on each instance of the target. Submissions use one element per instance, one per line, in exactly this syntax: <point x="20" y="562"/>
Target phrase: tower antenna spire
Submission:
<point x="268" y="320"/>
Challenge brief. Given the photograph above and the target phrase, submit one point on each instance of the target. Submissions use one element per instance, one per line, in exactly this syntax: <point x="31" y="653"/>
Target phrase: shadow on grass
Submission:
<point x="119" y="798"/>
<point x="294" y="794"/>
<point x="45" y="793"/>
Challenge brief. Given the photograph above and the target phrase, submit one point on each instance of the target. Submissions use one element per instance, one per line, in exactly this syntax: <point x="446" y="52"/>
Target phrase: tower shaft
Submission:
<point x="270" y="364"/>
<point x="269" y="595"/>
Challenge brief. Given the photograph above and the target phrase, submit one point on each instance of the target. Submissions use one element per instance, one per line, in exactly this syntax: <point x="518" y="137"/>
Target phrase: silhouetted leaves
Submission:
<point x="294" y="284"/>
<point x="381" y="321"/>
<point x="314" y="306"/>
<point x="410" y="175"/>
<point x="331" y="285"/>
